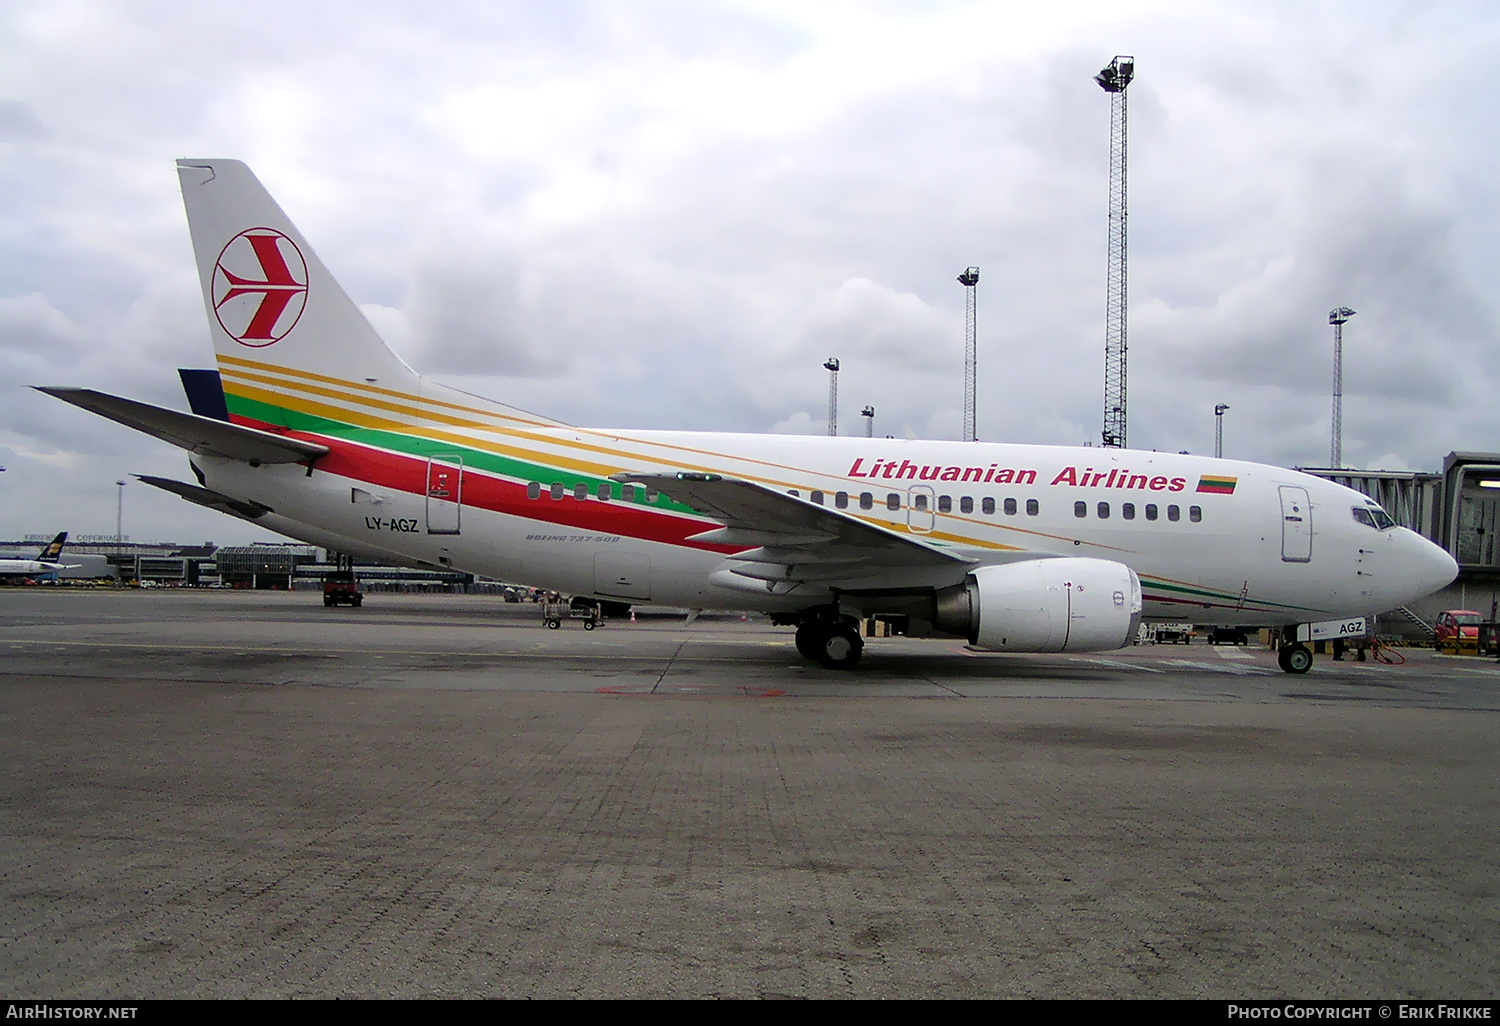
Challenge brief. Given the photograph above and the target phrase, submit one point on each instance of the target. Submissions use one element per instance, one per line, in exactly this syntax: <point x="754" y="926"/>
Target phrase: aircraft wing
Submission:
<point x="203" y="435"/>
<point x="792" y="538"/>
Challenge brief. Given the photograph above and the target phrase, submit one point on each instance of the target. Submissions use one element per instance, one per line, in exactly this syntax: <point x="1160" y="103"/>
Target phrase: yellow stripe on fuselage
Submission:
<point x="423" y="428"/>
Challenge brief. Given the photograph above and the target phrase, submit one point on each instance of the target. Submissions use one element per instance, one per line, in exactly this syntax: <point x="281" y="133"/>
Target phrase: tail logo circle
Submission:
<point x="259" y="287"/>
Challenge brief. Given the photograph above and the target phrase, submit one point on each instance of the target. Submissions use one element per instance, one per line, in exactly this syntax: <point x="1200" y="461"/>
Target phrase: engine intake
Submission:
<point x="1069" y="604"/>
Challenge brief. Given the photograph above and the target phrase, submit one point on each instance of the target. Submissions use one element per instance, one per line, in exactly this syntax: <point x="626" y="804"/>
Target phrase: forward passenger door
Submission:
<point x="1296" y="525"/>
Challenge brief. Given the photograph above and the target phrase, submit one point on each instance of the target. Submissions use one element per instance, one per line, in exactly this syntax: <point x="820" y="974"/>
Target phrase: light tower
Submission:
<point x="1219" y="430"/>
<point x="832" y="364"/>
<point x="970" y="280"/>
<point x="119" y="515"/>
<point x="1113" y="79"/>
<point x="868" y="413"/>
<point x="1337" y="316"/>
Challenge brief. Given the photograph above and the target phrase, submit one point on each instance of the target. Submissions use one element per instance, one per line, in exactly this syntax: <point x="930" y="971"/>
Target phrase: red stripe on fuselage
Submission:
<point x="387" y="469"/>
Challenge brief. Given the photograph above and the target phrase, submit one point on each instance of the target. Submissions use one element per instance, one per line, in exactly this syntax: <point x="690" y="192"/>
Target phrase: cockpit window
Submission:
<point x="1373" y="517"/>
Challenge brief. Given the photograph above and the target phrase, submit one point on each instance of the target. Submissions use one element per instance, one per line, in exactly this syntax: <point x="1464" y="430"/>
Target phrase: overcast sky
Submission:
<point x="668" y="214"/>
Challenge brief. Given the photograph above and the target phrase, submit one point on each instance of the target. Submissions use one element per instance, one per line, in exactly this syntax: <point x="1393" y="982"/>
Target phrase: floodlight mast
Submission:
<point x="970" y="281"/>
<point x="1113" y="79"/>
<point x="1219" y="409"/>
<point x="1337" y="317"/>
<point x="832" y="366"/>
<point x="869" y="414"/>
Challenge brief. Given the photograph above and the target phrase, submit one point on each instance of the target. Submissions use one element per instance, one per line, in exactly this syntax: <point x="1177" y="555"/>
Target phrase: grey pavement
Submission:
<point x="249" y="795"/>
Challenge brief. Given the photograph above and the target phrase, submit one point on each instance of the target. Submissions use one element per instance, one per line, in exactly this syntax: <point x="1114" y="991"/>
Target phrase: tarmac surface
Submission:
<point x="244" y="794"/>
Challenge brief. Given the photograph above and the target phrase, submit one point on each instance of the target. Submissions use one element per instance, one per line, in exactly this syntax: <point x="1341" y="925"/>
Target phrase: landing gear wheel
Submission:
<point x="841" y="648"/>
<point x="809" y="637"/>
<point x="1295" y="658"/>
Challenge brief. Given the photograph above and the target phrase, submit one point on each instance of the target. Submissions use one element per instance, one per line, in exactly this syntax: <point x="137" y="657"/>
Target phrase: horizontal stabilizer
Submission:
<point x="202" y="435"/>
<point x="207" y="497"/>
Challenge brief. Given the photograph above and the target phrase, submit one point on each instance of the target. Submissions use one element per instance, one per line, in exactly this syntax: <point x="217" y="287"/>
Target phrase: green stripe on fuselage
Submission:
<point x="424" y="448"/>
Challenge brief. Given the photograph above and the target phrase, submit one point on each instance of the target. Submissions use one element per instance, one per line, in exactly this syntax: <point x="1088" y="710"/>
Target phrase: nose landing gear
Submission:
<point x="1294" y="658"/>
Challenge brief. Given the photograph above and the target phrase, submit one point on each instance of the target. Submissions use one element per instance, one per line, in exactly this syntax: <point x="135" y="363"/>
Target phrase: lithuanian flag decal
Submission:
<point x="1217" y="485"/>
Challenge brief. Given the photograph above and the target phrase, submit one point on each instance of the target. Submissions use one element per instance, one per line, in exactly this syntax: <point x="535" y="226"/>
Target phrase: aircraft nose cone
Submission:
<point x="1434" y="568"/>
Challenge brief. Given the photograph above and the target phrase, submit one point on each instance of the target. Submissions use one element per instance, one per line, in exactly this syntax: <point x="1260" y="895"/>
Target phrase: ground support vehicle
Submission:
<point x="553" y="613"/>
<point x="342" y="586"/>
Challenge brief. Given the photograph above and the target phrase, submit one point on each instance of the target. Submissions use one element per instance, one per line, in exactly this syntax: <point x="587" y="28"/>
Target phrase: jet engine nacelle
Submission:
<point x="1044" y="605"/>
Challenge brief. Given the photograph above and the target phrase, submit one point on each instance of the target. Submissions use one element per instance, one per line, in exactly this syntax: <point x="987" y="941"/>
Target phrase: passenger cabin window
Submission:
<point x="606" y="492"/>
<point x="1195" y="514"/>
<point x="920" y="501"/>
<point x="1010" y="507"/>
<point x="1174" y="514"/>
<point x="989" y="507"/>
<point x="534" y="490"/>
<point x="816" y="496"/>
<point x="945" y="504"/>
<point x="1150" y="511"/>
<point x="1103" y="511"/>
<point x="893" y="500"/>
<point x="580" y="491"/>
<point x="557" y="489"/>
<point x="966" y="504"/>
<point x="841" y="500"/>
<point x="1376" y="518"/>
<point x="627" y="492"/>
<point x="794" y="493"/>
<point x="652" y="495"/>
<point x="1032" y="507"/>
<point x="866" y="500"/>
<point x="1127" y="510"/>
<point x="1080" y="508"/>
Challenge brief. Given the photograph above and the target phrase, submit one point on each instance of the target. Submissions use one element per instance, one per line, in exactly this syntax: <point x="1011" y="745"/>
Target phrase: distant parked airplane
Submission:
<point x="46" y="561"/>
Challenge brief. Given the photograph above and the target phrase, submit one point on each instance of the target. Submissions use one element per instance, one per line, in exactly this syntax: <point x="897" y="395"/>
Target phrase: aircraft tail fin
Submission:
<point x="269" y="298"/>
<point x="53" y="552"/>
<point x="294" y="351"/>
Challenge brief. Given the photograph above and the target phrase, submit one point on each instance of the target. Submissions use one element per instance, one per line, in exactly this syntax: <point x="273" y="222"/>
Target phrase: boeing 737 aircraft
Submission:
<point x="46" y="561"/>
<point x="329" y="437"/>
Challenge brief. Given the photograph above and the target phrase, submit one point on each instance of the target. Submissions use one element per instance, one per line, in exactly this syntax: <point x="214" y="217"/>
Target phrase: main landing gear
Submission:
<point x="834" y="644"/>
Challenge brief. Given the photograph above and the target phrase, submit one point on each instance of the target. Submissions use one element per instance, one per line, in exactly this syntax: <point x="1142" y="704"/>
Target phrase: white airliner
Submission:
<point x="332" y="439"/>
<point x="46" y="561"/>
